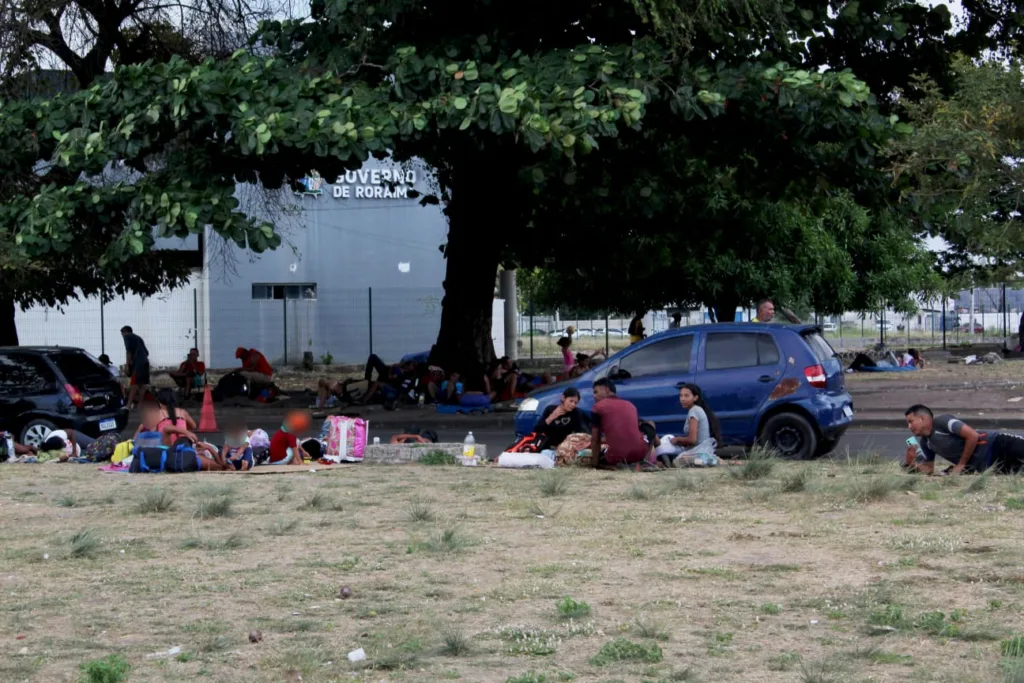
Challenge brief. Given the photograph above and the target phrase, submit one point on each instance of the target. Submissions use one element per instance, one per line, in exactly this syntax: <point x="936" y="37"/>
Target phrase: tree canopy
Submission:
<point x="722" y="148"/>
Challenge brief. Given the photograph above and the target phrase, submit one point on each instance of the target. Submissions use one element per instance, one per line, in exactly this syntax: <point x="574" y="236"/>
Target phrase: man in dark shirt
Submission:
<point x="137" y="361"/>
<point x="618" y="422"/>
<point x="951" y="438"/>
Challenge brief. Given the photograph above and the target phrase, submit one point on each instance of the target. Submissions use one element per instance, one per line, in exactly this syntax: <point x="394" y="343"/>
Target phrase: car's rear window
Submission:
<point x="78" y="367"/>
<point x="822" y="350"/>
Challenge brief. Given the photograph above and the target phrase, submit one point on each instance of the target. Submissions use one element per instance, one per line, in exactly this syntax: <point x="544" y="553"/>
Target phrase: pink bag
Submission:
<point x="346" y="439"/>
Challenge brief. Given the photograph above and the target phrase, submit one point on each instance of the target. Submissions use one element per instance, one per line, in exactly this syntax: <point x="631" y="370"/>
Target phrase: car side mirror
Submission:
<point x="618" y="374"/>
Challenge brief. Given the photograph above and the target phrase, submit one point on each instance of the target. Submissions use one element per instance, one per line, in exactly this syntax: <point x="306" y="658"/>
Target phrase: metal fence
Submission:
<point x="345" y="325"/>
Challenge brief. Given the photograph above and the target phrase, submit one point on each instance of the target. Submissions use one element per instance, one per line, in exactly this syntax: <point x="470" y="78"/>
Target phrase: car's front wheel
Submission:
<point x="790" y="435"/>
<point x="35" y="432"/>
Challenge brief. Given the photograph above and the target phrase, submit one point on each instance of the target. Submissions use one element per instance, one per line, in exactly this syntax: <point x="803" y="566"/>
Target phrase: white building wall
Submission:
<point x="166" y="321"/>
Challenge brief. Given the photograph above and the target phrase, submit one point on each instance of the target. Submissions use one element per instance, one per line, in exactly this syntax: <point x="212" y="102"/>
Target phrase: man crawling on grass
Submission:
<point x="970" y="451"/>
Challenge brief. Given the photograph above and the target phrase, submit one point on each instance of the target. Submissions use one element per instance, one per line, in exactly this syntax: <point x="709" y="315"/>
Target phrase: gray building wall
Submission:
<point x="354" y="250"/>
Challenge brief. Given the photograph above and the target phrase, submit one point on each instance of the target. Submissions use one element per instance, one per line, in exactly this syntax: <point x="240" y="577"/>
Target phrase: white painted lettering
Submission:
<point x="386" y="175"/>
<point x="339" y="180"/>
<point x="351" y="177"/>
<point x="359" y="191"/>
<point x="401" y="192"/>
<point x="375" y="176"/>
<point x="337" y="191"/>
<point x="378" y="192"/>
<point x="410" y="177"/>
<point x="387" y="192"/>
<point x="364" y="175"/>
<point x="346" y="192"/>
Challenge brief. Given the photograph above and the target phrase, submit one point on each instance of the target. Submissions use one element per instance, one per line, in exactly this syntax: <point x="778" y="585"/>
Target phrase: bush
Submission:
<point x="110" y="669"/>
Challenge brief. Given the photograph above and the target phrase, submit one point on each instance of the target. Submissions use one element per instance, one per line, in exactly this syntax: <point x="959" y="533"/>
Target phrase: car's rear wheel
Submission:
<point x="36" y="431"/>
<point x="790" y="435"/>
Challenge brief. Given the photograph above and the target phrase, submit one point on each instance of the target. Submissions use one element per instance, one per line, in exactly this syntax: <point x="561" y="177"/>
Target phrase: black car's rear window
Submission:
<point x="78" y="367"/>
<point x="819" y="346"/>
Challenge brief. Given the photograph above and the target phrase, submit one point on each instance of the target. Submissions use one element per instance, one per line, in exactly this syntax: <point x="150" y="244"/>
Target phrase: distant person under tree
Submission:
<point x="137" y="363"/>
<point x="766" y="313"/>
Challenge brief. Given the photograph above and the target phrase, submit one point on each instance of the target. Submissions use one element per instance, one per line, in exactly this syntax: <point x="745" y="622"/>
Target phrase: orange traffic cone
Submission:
<point x="207" y="421"/>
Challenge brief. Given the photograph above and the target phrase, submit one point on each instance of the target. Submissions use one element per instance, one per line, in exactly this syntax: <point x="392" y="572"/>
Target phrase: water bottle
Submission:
<point x="469" y="449"/>
<point x="419" y="402"/>
<point x="376" y="441"/>
<point x="8" y="445"/>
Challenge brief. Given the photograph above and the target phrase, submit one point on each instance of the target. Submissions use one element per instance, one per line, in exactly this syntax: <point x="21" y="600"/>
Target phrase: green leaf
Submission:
<point x="508" y="102"/>
<point x="135" y="245"/>
<point x="538" y="175"/>
<point x="461" y="103"/>
<point x="568" y="140"/>
<point x="509" y="73"/>
<point x="466" y="122"/>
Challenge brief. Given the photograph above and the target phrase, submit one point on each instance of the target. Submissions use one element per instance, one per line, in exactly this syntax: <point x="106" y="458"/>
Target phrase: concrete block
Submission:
<point x="397" y="454"/>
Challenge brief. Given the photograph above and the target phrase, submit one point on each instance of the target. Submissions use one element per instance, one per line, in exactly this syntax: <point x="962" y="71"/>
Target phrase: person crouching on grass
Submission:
<point x="284" y="445"/>
<point x="970" y="451"/>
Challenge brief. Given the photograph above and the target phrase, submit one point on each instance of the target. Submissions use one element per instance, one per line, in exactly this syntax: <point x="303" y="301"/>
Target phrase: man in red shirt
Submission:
<point x="256" y="371"/>
<point x="254" y="361"/>
<point x="191" y="374"/>
<point x="617" y="420"/>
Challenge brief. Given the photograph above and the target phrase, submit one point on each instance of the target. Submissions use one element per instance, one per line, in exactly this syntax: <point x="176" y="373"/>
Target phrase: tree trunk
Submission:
<point x="724" y="307"/>
<point x="473" y="251"/>
<point x="8" y="328"/>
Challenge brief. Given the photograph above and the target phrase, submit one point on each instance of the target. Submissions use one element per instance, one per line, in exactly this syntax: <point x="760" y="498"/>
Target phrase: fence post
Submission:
<point x="195" y="318"/>
<point x="284" y="300"/>
<point x="532" y="330"/>
<point x="607" y="348"/>
<point x="370" y="303"/>
<point x="1005" y="327"/>
<point x="103" y="328"/>
<point x="943" y="321"/>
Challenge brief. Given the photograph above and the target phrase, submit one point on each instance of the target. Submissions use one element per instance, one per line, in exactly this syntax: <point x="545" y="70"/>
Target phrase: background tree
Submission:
<point x="961" y="170"/>
<point x="49" y="46"/>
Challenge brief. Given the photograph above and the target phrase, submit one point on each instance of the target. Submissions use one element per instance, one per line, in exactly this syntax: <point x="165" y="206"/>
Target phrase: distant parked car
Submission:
<point x="883" y="325"/>
<point x="780" y="385"/>
<point x="43" y="389"/>
<point x="978" y="329"/>
<point x="828" y="327"/>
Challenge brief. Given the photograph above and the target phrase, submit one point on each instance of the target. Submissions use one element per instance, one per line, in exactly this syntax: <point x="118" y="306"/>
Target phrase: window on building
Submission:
<point x="266" y="292"/>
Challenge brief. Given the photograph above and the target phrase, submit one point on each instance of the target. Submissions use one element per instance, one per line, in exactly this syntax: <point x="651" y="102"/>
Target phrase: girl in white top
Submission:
<point x="701" y="433"/>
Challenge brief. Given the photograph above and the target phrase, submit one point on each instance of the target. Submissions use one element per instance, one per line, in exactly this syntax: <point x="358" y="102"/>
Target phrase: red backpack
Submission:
<point x="530" y="443"/>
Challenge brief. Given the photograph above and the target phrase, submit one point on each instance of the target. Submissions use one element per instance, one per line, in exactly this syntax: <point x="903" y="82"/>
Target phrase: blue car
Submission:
<point x="777" y="385"/>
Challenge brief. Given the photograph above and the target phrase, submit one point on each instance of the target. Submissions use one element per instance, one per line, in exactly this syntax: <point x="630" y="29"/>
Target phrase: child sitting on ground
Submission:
<point x="237" y="451"/>
<point x="284" y="445"/>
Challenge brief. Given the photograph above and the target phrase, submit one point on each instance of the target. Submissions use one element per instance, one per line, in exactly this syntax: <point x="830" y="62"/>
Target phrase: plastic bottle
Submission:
<point x="469" y="449"/>
<point x="420" y="401"/>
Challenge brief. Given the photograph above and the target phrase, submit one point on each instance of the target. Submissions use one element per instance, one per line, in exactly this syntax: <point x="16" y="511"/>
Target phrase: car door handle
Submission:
<point x="764" y="378"/>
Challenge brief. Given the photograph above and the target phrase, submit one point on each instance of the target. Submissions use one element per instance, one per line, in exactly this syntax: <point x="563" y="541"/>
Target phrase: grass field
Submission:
<point x="832" y="571"/>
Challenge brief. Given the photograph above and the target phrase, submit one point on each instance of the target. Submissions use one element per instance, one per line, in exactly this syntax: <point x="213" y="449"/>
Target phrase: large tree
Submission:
<point x="482" y="93"/>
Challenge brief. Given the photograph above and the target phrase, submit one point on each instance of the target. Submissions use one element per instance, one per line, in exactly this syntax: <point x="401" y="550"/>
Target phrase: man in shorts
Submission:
<point x="970" y="451"/>
<point x="137" y="362"/>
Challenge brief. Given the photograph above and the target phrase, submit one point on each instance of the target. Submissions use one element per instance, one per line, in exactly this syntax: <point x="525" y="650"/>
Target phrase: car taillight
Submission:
<point x="816" y="377"/>
<point x="76" y="396"/>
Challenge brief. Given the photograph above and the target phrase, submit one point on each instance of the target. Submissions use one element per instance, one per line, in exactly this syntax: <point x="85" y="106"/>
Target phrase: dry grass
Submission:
<point x="464" y="573"/>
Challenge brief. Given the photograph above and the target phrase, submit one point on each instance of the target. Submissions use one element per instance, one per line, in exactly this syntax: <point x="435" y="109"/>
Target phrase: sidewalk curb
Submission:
<point x="947" y="386"/>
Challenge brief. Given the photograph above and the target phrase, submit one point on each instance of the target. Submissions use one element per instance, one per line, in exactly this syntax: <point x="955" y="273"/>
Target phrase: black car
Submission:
<point x="48" y="388"/>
